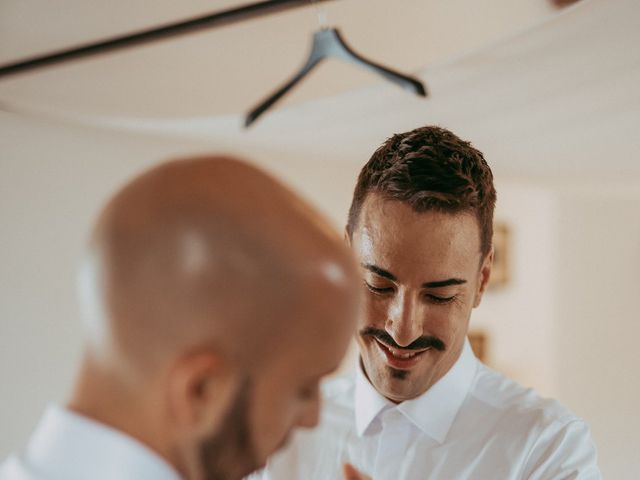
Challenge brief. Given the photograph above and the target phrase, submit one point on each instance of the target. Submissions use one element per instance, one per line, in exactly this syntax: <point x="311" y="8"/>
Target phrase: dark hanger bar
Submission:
<point x="219" y="19"/>
<point x="327" y="43"/>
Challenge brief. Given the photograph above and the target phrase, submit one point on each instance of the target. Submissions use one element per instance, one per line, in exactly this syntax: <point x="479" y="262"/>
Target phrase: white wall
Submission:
<point x="523" y="311"/>
<point x="598" y="323"/>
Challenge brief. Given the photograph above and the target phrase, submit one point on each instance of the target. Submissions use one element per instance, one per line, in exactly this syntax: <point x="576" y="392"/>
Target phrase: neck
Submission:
<point x="99" y="395"/>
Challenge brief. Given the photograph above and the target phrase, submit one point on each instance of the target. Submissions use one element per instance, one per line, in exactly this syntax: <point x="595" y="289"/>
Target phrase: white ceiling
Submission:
<point x="228" y="70"/>
<point x="545" y="94"/>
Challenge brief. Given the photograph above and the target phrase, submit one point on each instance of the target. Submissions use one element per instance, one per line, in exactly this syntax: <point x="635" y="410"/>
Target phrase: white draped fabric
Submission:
<point x="561" y="98"/>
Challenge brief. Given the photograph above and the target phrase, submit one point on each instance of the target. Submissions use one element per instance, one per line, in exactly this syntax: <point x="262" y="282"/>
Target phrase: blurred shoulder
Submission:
<point x="337" y="402"/>
<point x="339" y="390"/>
<point x="13" y="468"/>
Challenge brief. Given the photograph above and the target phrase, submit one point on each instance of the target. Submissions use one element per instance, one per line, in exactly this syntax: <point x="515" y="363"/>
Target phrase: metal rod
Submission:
<point x="234" y="15"/>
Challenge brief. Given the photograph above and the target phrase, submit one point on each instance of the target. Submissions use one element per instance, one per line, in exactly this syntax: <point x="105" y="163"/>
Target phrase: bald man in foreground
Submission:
<point x="214" y="301"/>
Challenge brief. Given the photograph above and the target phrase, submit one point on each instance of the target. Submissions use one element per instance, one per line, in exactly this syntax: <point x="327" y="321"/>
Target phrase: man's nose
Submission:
<point x="404" y="322"/>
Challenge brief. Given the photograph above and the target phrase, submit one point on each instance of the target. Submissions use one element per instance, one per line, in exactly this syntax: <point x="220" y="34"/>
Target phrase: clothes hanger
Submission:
<point x="328" y="43"/>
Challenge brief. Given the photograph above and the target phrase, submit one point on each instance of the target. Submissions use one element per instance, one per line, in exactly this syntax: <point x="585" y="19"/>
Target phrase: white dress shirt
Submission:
<point x="67" y="446"/>
<point x="472" y="424"/>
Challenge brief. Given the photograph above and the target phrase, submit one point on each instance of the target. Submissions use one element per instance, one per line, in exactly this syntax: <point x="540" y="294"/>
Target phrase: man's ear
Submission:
<point x="485" y="275"/>
<point x="201" y="387"/>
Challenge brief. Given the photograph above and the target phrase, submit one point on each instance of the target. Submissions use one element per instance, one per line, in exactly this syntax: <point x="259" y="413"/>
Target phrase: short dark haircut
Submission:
<point x="430" y="168"/>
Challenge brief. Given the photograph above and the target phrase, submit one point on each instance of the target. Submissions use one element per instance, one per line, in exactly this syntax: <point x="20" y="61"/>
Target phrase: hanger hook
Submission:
<point x="323" y="19"/>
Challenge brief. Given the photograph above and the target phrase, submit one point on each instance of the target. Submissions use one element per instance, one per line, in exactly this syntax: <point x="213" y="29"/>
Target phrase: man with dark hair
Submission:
<point x="420" y="404"/>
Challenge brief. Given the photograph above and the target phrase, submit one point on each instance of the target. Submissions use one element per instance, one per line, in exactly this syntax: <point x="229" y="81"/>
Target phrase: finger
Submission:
<point x="349" y="472"/>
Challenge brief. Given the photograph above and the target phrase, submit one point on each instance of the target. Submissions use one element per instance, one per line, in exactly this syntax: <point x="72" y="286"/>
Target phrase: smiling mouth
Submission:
<point x="400" y="358"/>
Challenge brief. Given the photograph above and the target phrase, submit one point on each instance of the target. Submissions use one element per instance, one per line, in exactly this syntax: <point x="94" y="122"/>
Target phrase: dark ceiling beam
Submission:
<point x="214" y="20"/>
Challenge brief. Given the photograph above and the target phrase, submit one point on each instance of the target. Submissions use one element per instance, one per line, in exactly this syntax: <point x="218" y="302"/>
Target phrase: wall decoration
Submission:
<point x="479" y="344"/>
<point x="500" y="273"/>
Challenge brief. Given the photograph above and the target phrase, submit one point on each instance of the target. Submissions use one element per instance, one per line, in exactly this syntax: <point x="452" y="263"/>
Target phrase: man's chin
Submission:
<point x="397" y="385"/>
<point x="397" y="390"/>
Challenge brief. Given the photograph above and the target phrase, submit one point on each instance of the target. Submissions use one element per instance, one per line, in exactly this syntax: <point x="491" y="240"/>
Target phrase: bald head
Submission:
<point x="205" y="252"/>
<point x="215" y="300"/>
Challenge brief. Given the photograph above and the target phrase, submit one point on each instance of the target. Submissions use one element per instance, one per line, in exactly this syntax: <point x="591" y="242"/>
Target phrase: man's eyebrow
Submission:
<point x="379" y="271"/>
<point x="444" y="283"/>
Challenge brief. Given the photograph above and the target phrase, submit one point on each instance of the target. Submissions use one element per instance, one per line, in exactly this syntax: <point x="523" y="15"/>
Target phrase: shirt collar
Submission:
<point x="368" y="401"/>
<point x="432" y="412"/>
<point x="68" y="445"/>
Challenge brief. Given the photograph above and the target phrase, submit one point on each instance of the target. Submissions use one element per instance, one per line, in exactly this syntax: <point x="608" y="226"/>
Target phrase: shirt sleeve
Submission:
<point x="566" y="452"/>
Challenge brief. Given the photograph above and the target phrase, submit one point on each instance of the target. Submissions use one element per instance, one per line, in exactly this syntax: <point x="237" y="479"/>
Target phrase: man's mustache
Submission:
<point x="418" y="344"/>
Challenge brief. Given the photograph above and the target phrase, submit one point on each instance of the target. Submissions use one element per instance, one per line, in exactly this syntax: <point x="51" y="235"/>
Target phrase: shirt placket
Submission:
<point x="393" y="445"/>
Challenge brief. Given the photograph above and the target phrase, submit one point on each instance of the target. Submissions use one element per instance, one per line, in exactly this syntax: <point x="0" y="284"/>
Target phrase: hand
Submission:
<point x="349" y="472"/>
